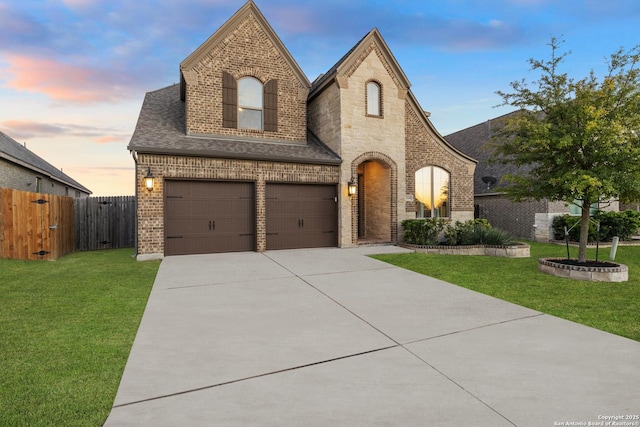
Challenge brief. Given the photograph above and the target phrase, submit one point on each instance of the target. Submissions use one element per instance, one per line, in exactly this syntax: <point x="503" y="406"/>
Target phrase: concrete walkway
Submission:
<point x="331" y="337"/>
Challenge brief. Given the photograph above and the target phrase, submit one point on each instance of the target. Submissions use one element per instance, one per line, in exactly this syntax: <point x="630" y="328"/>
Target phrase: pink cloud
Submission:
<point x="27" y="129"/>
<point x="62" y="81"/>
<point x="108" y="139"/>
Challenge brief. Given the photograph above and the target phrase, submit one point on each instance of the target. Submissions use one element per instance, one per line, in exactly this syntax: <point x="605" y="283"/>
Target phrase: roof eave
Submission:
<point x="44" y="173"/>
<point x="425" y="119"/>
<point x="234" y="156"/>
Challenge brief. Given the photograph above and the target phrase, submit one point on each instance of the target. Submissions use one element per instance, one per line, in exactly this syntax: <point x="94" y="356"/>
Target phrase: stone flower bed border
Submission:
<point x="519" y="250"/>
<point x="619" y="273"/>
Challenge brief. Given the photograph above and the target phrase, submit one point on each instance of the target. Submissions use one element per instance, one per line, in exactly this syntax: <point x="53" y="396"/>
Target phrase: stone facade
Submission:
<point x="325" y="117"/>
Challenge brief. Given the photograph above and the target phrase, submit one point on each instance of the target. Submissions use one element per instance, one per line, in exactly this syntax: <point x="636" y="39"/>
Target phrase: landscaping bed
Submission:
<point x="519" y="250"/>
<point x="592" y="271"/>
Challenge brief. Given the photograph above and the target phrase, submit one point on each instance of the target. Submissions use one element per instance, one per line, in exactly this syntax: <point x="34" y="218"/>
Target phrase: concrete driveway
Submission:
<point x="331" y="337"/>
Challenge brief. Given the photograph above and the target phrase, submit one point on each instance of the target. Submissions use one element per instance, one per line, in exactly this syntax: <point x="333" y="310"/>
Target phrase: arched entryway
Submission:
<point x="375" y="209"/>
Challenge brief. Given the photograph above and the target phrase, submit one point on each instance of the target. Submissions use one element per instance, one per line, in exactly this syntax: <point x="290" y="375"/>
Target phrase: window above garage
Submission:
<point x="248" y="104"/>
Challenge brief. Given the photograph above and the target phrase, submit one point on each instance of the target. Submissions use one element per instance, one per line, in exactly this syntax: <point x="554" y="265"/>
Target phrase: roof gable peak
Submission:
<point x="248" y="10"/>
<point x="346" y="66"/>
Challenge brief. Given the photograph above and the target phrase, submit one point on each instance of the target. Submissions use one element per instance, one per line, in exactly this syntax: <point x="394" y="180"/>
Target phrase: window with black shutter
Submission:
<point x="229" y="101"/>
<point x="271" y="106"/>
<point x="247" y="104"/>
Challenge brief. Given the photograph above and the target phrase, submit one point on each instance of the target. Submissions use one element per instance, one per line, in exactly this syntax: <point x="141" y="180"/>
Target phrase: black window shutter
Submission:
<point x="229" y="101"/>
<point x="271" y="106"/>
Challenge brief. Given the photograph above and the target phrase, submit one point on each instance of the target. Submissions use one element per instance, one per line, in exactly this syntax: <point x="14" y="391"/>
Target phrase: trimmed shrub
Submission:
<point x="475" y="232"/>
<point x="423" y="231"/>
<point x="455" y="233"/>
<point x="479" y="235"/>
<point x="622" y="224"/>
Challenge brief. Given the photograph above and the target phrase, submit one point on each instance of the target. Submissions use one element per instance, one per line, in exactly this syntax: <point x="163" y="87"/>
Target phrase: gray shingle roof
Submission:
<point x="471" y="141"/>
<point x="161" y="130"/>
<point x="17" y="153"/>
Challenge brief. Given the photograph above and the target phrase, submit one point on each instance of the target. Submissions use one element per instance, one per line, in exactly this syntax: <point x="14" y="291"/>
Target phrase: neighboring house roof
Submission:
<point x="161" y="130"/>
<point x="472" y="141"/>
<point x="19" y="154"/>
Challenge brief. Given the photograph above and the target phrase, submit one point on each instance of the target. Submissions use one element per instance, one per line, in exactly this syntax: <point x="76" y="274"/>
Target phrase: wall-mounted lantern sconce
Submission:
<point x="352" y="187"/>
<point x="148" y="180"/>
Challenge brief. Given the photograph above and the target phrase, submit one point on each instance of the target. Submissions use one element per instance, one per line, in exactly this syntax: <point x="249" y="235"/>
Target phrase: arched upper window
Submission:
<point x="250" y="103"/>
<point x="432" y="193"/>
<point x="374" y="99"/>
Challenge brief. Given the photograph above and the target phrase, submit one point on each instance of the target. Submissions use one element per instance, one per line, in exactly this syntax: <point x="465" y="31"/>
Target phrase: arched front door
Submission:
<point x="374" y="216"/>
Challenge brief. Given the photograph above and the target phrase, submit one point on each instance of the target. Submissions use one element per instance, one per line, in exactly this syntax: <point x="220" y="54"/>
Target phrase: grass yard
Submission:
<point x="611" y="307"/>
<point x="67" y="329"/>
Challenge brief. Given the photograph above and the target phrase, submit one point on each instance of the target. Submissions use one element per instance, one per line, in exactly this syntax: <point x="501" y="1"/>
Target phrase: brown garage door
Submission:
<point x="301" y="216"/>
<point x="209" y="217"/>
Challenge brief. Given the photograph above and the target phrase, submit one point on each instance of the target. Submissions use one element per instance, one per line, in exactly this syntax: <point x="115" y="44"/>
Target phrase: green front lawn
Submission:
<point x="611" y="307"/>
<point x="67" y="327"/>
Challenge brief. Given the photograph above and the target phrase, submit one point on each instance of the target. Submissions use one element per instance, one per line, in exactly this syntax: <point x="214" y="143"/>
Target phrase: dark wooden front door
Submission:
<point x="209" y="217"/>
<point x="301" y="216"/>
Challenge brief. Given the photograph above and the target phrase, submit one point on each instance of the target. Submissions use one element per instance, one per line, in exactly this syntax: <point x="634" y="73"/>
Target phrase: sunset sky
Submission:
<point x="73" y="73"/>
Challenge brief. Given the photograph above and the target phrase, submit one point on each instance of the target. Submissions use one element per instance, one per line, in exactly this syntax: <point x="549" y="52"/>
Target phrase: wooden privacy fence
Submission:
<point x="104" y="223"/>
<point x="35" y="226"/>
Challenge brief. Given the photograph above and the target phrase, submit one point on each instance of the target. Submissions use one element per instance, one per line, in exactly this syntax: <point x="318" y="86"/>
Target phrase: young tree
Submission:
<point x="579" y="139"/>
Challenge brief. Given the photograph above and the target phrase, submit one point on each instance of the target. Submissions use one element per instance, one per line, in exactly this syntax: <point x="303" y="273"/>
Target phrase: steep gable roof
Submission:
<point x="349" y="62"/>
<point x="444" y="143"/>
<point x="17" y="153"/>
<point x="249" y="9"/>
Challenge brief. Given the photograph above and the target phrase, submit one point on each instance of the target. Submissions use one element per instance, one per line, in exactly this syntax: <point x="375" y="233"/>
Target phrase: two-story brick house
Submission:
<point x="247" y="154"/>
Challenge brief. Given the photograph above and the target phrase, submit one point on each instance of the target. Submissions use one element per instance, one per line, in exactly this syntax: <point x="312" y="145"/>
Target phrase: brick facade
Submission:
<point x="151" y="214"/>
<point x="425" y="149"/>
<point x="248" y="50"/>
<point x="519" y="218"/>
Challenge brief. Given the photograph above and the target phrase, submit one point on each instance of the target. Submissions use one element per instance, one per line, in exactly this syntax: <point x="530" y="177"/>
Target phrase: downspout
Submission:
<point x="135" y="186"/>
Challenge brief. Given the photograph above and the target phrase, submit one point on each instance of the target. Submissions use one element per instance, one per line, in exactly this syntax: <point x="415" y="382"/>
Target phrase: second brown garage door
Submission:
<point x="209" y="217"/>
<point x="301" y="216"/>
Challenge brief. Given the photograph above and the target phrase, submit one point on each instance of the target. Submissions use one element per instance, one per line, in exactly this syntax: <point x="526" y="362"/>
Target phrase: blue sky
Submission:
<point x="73" y="73"/>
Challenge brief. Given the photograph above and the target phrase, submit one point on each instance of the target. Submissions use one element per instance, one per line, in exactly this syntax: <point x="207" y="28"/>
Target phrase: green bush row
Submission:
<point x="622" y="224"/>
<point x="434" y="231"/>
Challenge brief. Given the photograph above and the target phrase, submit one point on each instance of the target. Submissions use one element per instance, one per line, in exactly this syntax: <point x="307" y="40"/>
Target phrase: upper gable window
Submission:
<point x="250" y="103"/>
<point x="374" y="99"/>
<point x="247" y="104"/>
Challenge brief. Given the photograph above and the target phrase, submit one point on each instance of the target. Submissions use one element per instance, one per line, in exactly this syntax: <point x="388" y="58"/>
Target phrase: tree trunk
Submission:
<point x="584" y="231"/>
